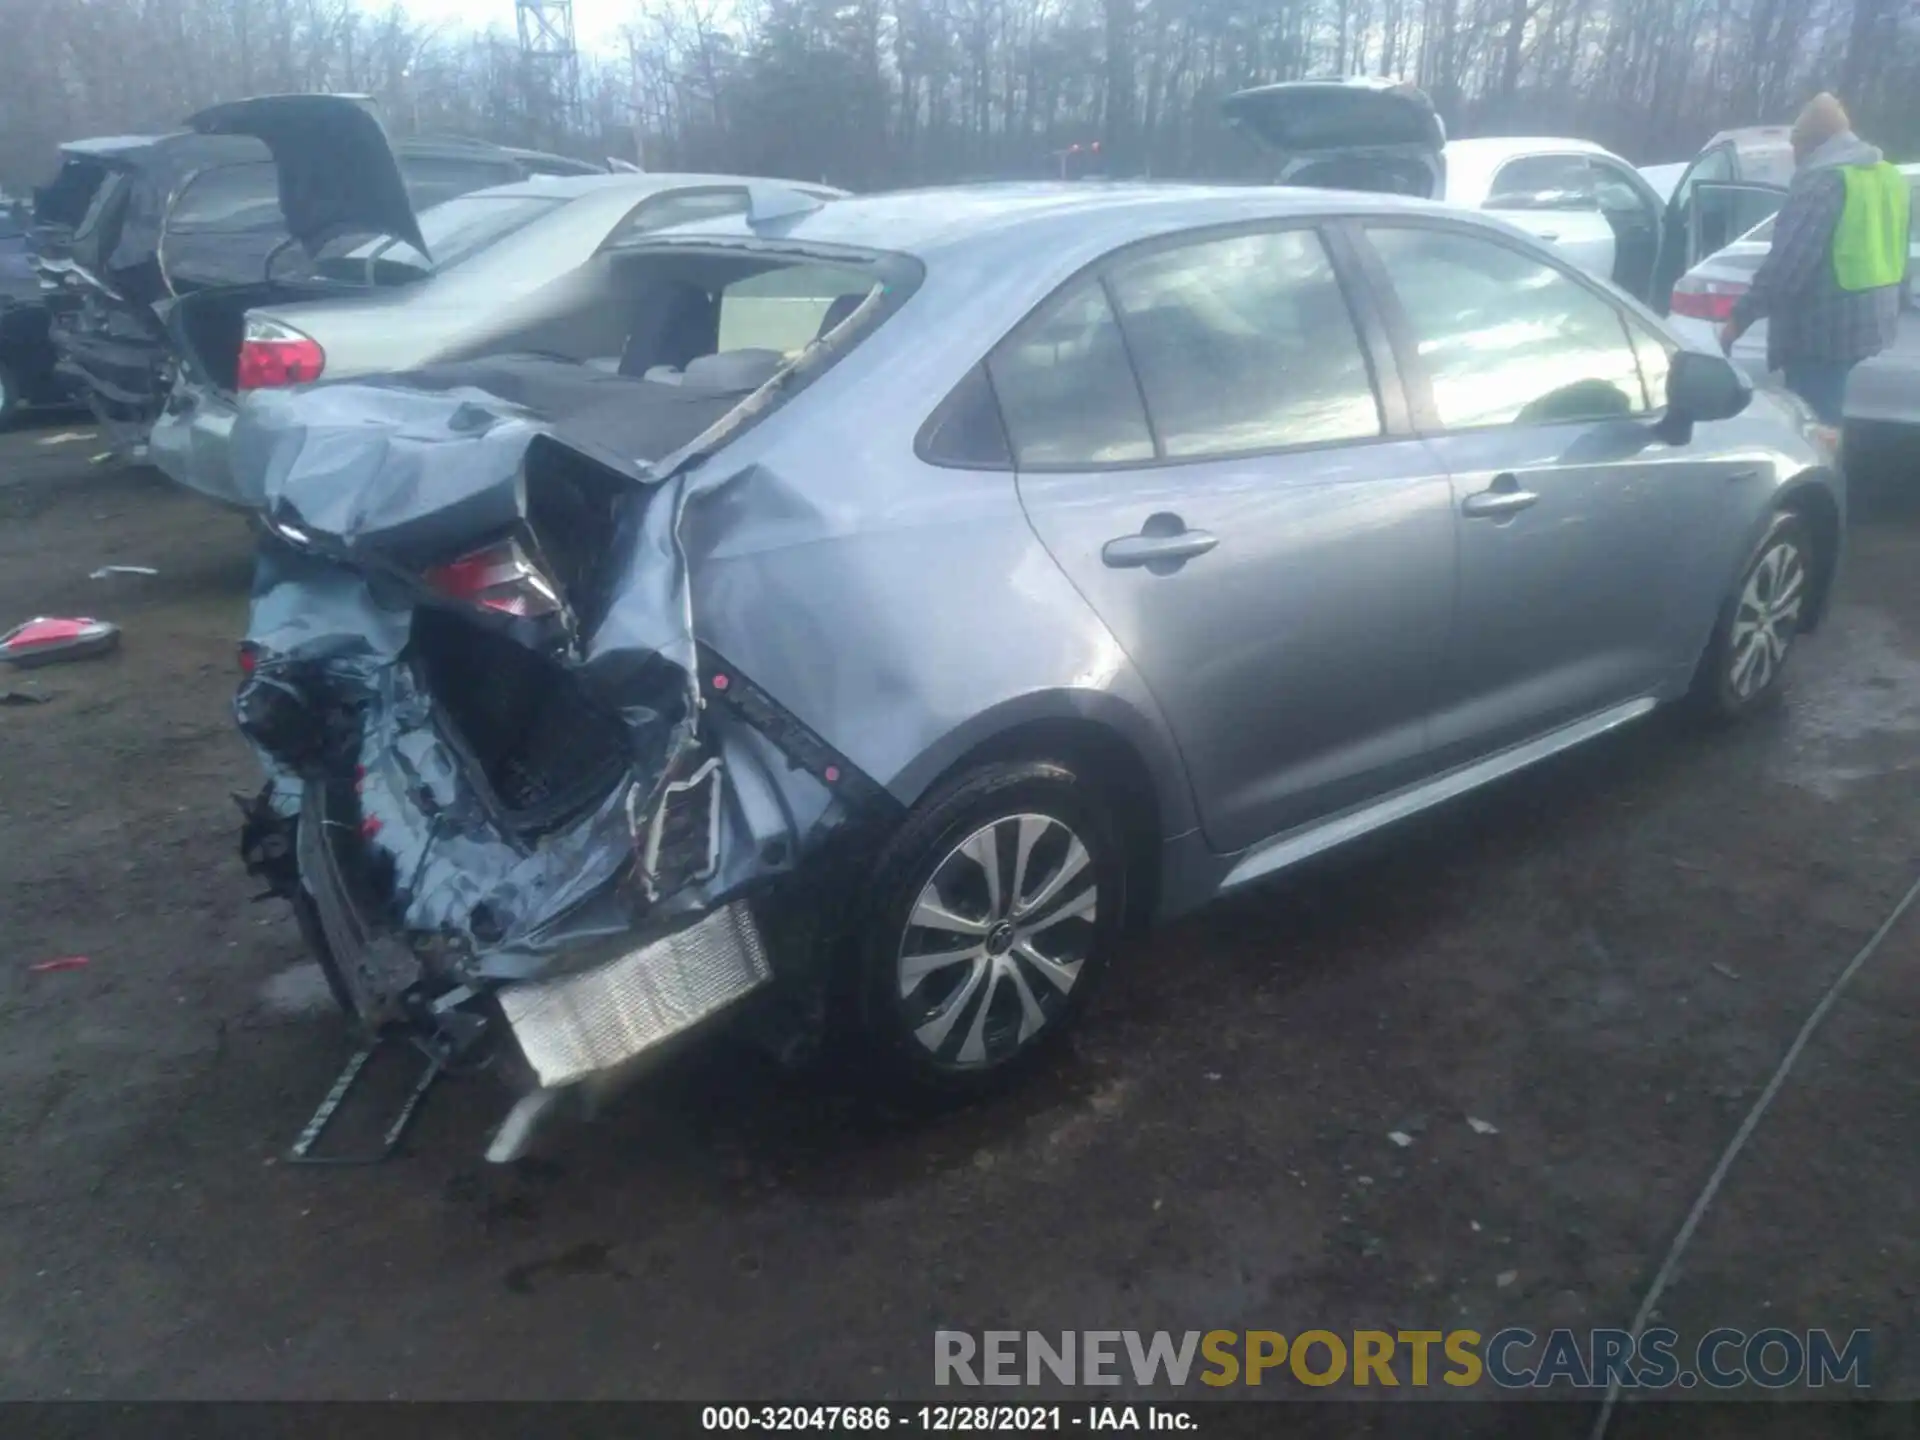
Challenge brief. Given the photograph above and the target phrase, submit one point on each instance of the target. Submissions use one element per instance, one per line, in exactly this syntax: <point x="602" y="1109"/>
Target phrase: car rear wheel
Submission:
<point x="1742" y="668"/>
<point x="996" y="909"/>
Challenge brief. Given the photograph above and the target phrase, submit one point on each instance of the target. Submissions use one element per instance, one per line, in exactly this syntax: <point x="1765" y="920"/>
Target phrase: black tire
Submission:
<point x="988" y="1039"/>
<point x="1736" y="679"/>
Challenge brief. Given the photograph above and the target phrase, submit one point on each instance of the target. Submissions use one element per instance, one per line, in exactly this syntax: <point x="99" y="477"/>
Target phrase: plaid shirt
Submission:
<point x="1808" y="315"/>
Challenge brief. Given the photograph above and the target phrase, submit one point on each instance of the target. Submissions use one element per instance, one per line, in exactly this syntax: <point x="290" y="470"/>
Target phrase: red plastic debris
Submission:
<point x="47" y="638"/>
<point x="65" y="962"/>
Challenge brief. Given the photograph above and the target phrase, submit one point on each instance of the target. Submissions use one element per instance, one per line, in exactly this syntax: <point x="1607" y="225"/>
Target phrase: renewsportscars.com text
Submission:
<point x="1514" y="1358"/>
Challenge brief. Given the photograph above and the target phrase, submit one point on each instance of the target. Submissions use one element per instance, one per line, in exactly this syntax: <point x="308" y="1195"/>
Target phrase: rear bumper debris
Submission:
<point x="571" y="1028"/>
<point x="580" y="838"/>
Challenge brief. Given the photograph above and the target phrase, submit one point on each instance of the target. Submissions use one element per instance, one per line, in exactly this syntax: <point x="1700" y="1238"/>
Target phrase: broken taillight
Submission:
<point x="1699" y="299"/>
<point x="500" y="578"/>
<point x="272" y="355"/>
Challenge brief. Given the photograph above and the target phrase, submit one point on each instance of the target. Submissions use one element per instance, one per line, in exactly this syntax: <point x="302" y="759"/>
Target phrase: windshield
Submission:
<point x="453" y="230"/>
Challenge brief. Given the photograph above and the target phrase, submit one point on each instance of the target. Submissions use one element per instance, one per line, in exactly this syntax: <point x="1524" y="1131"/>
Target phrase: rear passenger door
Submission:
<point x="1205" y="447"/>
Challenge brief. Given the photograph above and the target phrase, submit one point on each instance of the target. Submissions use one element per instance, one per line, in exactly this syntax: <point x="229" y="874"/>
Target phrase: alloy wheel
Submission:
<point x="996" y="940"/>
<point x="1766" y="620"/>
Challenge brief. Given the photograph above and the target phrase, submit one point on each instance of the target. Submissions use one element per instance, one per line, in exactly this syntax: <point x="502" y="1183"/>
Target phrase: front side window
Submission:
<point x="1066" y="387"/>
<point x="1243" y="344"/>
<point x="1543" y="182"/>
<point x="1505" y="338"/>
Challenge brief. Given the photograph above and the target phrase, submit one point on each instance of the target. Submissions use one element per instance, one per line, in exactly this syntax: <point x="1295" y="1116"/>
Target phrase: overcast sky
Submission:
<point x="596" y="23"/>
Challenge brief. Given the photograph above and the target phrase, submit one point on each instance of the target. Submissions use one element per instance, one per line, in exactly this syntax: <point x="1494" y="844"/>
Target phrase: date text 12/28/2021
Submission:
<point x="943" y="1419"/>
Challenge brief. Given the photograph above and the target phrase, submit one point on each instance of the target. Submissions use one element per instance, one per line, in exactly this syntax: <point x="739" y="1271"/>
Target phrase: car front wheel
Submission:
<point x="1742" y="667"/>
<point x="995" y="910"/>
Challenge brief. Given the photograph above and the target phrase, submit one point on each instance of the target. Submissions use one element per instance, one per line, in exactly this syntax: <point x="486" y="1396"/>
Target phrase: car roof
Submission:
<point x="1091" y="215"/>
<point x="636" y="186"/>
<point x="1492" y="149"/>
<point x="1472" y="164"/>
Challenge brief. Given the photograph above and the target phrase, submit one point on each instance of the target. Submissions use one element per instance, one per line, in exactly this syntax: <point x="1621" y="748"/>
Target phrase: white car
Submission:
<point x="1884" y="390"/>
<point x="1371" y="134"/>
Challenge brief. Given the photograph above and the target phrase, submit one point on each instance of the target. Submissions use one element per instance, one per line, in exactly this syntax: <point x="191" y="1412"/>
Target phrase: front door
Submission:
<point x="1203" y="449"/>
<point x="1579" y="526"/>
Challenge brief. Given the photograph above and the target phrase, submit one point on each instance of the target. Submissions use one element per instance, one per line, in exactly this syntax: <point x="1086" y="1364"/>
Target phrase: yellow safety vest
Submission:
<point x="1870" y="243"/>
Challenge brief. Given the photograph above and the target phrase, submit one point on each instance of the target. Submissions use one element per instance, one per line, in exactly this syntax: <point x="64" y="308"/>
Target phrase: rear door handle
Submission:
<point x="1130" y="552"/>
<point x="1502" y="499"/>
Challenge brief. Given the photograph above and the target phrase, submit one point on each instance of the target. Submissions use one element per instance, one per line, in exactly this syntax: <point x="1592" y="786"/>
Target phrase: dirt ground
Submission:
<point x="1604" y="960"/>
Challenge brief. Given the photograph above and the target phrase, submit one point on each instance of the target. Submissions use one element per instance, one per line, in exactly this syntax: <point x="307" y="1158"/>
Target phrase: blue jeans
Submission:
<point x="1822" y="384"/>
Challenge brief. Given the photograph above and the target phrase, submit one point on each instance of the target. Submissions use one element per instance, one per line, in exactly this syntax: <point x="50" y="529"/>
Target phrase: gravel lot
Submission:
<point x="1605" y="960"/>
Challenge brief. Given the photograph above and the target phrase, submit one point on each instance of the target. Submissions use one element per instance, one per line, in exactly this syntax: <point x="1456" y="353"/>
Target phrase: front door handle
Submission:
<point x="1499" y="501"/>
<point x="1130" y="552"/>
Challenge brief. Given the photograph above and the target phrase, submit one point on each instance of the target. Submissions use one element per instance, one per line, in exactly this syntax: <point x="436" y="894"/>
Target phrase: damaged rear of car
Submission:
<point x="517" y="802"/>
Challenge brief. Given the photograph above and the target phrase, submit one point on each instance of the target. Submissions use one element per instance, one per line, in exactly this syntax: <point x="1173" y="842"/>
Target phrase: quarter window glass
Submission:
<point x="1543" y="182"/>
<point x="1506" y="339"/>
<point x="1066" y="387"/>
<point x="966" y="431"/>
<point x="1245" y="344"/>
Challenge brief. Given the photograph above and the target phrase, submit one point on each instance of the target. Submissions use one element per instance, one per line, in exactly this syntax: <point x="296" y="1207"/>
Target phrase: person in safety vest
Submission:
<point x="1830" y="287"/>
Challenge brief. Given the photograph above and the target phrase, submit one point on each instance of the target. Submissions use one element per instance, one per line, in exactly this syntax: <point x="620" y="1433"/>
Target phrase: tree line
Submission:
<point x="881" y="93"/>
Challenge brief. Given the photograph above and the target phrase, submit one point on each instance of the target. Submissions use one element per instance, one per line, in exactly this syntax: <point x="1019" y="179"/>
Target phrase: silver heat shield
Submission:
<point x="571" y="1027"/>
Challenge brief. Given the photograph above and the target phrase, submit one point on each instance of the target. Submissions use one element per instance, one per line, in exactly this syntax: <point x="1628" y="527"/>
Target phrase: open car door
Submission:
<point x="1722" y="211"/>
<point x="1704" y="218"/>
<point x="1363" y="133"/>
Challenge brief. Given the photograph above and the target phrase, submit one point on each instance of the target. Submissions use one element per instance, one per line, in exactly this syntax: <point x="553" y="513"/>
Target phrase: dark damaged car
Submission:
<point x="1107" y="550"/>
<point x="157" y="245"/>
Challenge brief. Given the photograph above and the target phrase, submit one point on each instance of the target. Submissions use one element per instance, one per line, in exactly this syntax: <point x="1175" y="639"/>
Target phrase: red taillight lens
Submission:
<point x="499" y="578"/>
<point x="272" y="355"/>
<point x="1706" y="299"/>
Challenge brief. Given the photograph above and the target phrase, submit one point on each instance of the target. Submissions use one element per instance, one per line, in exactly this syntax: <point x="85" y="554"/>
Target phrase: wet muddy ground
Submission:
<point x="1602" y="961"/>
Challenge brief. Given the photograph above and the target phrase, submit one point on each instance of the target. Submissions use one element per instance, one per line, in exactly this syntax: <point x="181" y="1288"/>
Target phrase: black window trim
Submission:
<point x="1370" y="329"/>
<point x="1406" y="349"/>
<point x="923" y="440"/>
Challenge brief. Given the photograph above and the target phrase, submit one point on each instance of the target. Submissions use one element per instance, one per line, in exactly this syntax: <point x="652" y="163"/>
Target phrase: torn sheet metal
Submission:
<point x="465" y="855"/>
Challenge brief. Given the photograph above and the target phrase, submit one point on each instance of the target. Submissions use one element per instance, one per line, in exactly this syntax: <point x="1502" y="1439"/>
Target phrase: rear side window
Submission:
<point x="1543" y="182"/>
<point x="1244" y="344"/>
<point x="1505" y="338"/>
<point x="1066" y="386"/>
